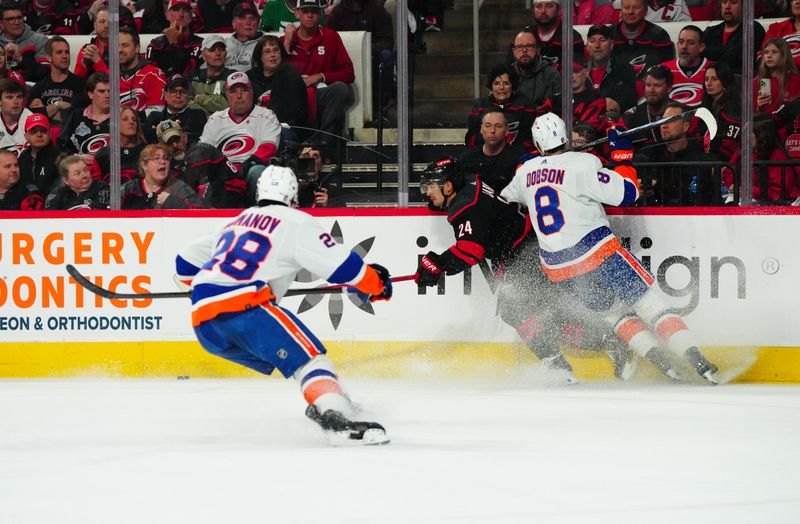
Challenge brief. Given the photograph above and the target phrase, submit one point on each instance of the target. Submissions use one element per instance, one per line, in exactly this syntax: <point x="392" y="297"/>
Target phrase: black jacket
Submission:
<point x="619" y="83"/>
<point x="284" y="93"/>
<point x="97" y="196"/>
<point x="731" y="51"/>
<point x="41" y="171"/>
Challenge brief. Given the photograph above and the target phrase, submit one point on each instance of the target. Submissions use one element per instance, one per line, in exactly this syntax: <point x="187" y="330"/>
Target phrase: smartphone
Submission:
<point x="765" y="87"/>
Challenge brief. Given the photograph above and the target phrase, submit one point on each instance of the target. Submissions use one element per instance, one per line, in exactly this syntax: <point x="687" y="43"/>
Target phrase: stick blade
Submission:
<point x="708" y="119"/>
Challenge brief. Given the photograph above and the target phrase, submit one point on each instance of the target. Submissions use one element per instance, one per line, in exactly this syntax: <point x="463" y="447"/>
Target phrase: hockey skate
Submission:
<point x="562" y="368"/>
<point x="342" y="431"/>
<point x="661" y="361"/>
<point x="704" y="368"/>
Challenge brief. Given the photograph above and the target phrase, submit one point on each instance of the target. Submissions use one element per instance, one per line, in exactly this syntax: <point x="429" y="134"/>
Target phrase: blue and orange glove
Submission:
<point x="428" y="270"/>
<point x="376" y="285"/>
<point x="386" y="280"/>
<point x="621" y="148"/>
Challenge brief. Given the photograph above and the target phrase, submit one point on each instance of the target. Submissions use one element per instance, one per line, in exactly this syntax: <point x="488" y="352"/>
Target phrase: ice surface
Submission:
<point x="235" y="451"/>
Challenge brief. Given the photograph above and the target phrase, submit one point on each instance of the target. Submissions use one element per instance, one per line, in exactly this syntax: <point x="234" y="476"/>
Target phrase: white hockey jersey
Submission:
<point x="13" y="138"/>
<point x="564" y="194"/>
<point x="259" y="134"/>
<point x="673" y="11"/>
<point x="255" y="258"/>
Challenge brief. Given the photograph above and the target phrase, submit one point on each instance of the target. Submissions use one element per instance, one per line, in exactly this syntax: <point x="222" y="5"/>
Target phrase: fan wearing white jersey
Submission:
<point x="565" y="192"/>
<point x="238" y="276"/>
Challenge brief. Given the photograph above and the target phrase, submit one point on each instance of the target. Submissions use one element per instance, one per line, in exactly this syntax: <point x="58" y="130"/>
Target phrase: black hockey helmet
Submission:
<point x="441" y="171"/>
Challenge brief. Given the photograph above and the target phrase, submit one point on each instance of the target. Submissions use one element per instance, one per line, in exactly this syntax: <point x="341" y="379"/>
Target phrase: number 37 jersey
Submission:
<point x="564" y="194"/>
<point x="255" y="258"/>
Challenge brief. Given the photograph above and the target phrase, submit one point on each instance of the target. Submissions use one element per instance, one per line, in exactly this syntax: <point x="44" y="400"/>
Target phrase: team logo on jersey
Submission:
<point x="321" y="50"/>
<point x="688" y="93"/>
<point x="238" y="148"/>
<point x="335" y="302"/>
<point x="95" y="144"/>
<point x="82" y="129"/>
<point x="135" y="98"/>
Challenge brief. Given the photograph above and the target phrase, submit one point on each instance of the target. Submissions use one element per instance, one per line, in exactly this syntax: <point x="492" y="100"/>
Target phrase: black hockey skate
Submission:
<point x="342" y="430"/>
<point x="704" y="368"/>
<point x="662" y="362"/>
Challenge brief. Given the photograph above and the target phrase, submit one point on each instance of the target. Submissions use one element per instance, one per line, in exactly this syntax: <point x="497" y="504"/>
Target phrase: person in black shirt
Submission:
<point x="178" y="50"/>
<point x="37" y="162"/>
<point x="547" y="14"/>
<point x="495" y="160"/>
<point x="724" y="40"/>
<point x="58" y="93"/>
<point x="639" y="42"/>
<point x="657" y="85"/>
<point x="177" y="96"/>
<point x="15" y="194"/>
<point x="79" y="190"/>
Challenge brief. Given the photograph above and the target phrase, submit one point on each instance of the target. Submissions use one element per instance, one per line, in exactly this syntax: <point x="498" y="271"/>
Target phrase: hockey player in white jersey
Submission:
<point x="238" y="276"/>
<point x="565" y="192"/>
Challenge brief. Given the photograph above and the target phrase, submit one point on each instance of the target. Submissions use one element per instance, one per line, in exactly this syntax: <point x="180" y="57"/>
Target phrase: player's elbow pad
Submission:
<point x="185" y="271"/>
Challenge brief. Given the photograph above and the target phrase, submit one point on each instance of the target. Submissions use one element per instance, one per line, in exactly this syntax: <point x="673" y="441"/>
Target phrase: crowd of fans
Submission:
<point x="201" y="117"/>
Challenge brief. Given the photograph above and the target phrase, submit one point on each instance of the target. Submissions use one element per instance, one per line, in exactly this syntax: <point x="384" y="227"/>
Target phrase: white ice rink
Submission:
<point x="81" y="451"/>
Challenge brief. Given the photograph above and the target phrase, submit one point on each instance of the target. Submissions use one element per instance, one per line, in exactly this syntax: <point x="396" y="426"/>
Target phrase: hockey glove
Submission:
<point x="428" y="270"/>
<point x="620" y="146"/>
<point x="386" y="280"/>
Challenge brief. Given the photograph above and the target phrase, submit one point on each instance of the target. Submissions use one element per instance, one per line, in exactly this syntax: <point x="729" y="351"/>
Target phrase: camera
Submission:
<point x="304" y="169"/>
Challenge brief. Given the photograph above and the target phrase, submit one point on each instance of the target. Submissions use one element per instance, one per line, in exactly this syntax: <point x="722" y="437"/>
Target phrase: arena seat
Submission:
<point x="357" y="43"/>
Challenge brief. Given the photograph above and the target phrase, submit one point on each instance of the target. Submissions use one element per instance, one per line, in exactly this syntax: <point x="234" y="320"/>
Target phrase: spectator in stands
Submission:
<point x="689" y="69"/>
<point x="215" y="16"/>
<point x="157" y="188"/>
<point x="591" y="12"/>
<point x="639" y="42"/>
<point x="311" y="192"/>
<point x="502" y="82"/>
<point x="5" y="72"/>
<point x="93" y="57"/>
<point x="178" y="50"/>
<point x="79" y="190"/>
<point x="14" y="194"/>
<point x="14" y="114"/>
<point x="724" y="41"/>
<point x="176" y="107"/>
<point x="247" y="134"/>
<point x="278" y="86"/>
<point x="587" y="104"/>
<point x="789" y="30"/>
<point x="659" y="11"/>
<point x="370" y="16"/>
<point x="657" y="85"/>
<point x="141" y="84"/>
<point x="56" y="94"/>
<point x="154" y="17"/>
<point x="276" y="15"/>
<point x="613" y="80"/>
<point x="24" y="47"/>
<point x="777" y="81"/>
<point x="132" y="141"/>
<point x="780" y="184"/>
<point x="537" y="80"/>
<point x="37" y="163"/>
<point x="494" y="160"/>
<point x="208" y="83"/>
<point x="85" y="132"/>
<point x="52" y="17"/>
<point x="547" y="15"/>
<point x="582" y="134"/>
<point x="319" y="55"/>
<point x="721" y="97"/>
<point x="678" y="185"/>
<point x="87" y="18"/>
<point x="245" y="36"/>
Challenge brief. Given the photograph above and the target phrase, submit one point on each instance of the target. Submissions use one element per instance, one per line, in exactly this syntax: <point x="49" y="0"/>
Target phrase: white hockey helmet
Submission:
<point x="279" y="184"/>
<point x="549" y="132"/>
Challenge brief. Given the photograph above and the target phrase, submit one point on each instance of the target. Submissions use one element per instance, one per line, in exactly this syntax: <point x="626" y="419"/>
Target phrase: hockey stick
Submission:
<point x="701" y="112"/>
<point x="113" y="295"/>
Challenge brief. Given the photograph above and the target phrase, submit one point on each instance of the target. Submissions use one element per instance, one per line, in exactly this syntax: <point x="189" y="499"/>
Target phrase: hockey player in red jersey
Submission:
<point x="238" y="276"/>
<point x="565" y="192"/>
<point x="489" y="228"/>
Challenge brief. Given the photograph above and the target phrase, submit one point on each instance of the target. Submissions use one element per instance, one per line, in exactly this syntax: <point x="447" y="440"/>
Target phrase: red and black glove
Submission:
<point x="620" y="146"/>
<point x="428" y="270"/>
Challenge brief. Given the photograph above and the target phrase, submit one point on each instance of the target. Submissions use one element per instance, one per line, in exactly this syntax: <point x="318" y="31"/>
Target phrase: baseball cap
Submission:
<point x="244" y="8"/>
<point x="177" y="3"/>
<point x="212" y="40"/>
<point x="167" y="129"/>
<point x="237" y="78"/>
<point x="600" y="29"/>
<point x="177" y="80"/>
<point x="314" y="4"/>
<point x="578" y="61"/>
<point x="36" y="120"/>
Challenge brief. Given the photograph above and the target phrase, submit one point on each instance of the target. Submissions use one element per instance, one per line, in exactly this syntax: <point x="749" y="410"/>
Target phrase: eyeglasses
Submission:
<point x="528" y="47"/>
<point x="276" y="51"/>
<point x="14" y="18"/>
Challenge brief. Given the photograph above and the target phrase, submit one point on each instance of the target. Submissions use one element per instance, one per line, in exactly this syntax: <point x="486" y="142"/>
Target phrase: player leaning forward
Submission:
<point x="564" y="192"/>
<point x="239" y="274"/>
